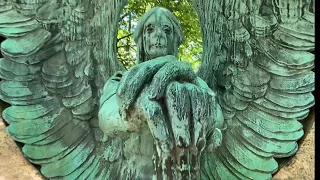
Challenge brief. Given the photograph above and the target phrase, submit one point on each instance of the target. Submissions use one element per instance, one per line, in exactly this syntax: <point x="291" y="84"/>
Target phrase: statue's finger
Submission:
<point x="159" y="129"/>
<point x="214" y="112"/>
<point x="157" y="124"/>
<point x="198" y="110"/>
<point x="208" y="121"/>
<point x="178" y="103"/>
<point x="198" y="113"/>
<point x="203" y="114"/>
<point x="174" y="71"/>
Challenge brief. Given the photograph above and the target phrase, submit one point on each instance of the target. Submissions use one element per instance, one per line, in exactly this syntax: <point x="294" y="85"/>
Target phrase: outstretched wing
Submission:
<point x="51" y="52"/>
<point x="263" y="74"/>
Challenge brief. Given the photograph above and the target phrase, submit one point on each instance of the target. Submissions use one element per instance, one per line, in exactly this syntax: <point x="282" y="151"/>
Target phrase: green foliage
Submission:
<point x="190" y="50"/>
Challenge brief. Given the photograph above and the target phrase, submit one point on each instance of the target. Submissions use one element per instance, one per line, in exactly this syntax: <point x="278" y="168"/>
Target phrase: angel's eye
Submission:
<point x="150" y="28"/>
<point x="167" y="29"/>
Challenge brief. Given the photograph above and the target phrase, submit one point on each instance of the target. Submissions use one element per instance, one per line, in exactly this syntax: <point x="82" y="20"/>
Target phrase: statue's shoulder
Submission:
<point x="111" y="86"/>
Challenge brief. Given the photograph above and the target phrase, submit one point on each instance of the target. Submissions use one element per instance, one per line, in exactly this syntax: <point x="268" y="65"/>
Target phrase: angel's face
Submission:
<point x="158" y="36"/>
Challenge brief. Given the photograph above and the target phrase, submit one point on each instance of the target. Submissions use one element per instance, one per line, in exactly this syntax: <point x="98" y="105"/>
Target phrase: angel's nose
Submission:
<point x="159" y="32"/>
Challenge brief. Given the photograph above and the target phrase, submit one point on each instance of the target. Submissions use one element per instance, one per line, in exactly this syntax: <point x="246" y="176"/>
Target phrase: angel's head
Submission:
<point x="158" y="34"/>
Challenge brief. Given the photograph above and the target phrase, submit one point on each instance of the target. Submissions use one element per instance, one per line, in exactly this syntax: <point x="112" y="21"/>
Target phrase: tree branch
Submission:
<point x="124" y="46"/>
<point x="124" y="37"/>
<point x="123" y="16"/>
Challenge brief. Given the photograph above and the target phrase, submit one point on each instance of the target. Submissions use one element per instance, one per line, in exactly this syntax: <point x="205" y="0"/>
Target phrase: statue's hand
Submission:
<point x="192" y="114"/>
<point x="134" y="80"/>
<point x="174" y="71"/>
<point x="159" y="71"/>
<point x="179" y="126"/>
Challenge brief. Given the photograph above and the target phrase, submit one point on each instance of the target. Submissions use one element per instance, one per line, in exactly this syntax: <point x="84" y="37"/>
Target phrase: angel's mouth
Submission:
<point x="158" y="46"/>
<point x="157" y="50"/>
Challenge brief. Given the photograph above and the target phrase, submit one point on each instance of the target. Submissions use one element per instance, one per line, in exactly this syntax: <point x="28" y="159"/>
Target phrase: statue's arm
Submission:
<point x="110" y="121"/>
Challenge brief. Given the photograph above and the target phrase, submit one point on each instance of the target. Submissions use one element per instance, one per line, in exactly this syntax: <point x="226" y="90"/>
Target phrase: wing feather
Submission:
<point x="88" y="169"/>
<point x="61" y="149"/>
<point x="102" y="174"/>
<point x="247" y="159"/>
<point x="267" y="121"/>
<point x="39" y="126"/>
<point x="31" y="112"/>
<point x="85" y="167"/>
<point x="54" y="134"/>
<point x="239" y="169"/>
<point x="247" y="144"/>
<point x="12" y="17"/>
<point x="276" y="110"/>
<point x="268" y="132"/>
<point x="223" y="170"/>
<point x="96" y="171"/>
<point x="46" y="76"/>
<point x="63" y="167"/>
<point x="27" y="44"/>
<point x="64" y="145"/>
<point x="267" y="83"/>
<point x="262" y="143"/>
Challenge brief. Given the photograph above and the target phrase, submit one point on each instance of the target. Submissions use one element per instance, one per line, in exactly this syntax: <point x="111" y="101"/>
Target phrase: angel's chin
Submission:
<point x="157" y="52"/>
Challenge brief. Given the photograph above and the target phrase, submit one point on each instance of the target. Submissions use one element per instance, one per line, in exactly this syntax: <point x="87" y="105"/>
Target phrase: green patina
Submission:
<point x="80" y="116"/>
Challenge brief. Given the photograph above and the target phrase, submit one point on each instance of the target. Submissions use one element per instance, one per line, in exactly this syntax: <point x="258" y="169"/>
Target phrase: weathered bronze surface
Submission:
<point x="80" y="115"/>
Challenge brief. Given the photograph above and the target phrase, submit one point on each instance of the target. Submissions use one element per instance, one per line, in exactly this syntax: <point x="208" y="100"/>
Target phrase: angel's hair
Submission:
<point x="138" y="33"/>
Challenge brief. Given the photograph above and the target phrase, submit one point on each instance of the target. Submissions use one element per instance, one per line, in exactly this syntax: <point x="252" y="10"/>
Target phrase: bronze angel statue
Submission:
<point x="80" y="115"/>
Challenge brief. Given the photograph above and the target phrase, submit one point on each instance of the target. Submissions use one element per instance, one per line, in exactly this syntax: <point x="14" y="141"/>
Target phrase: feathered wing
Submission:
<point x="51" y="53"/>
<point x="264" y="67"/>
